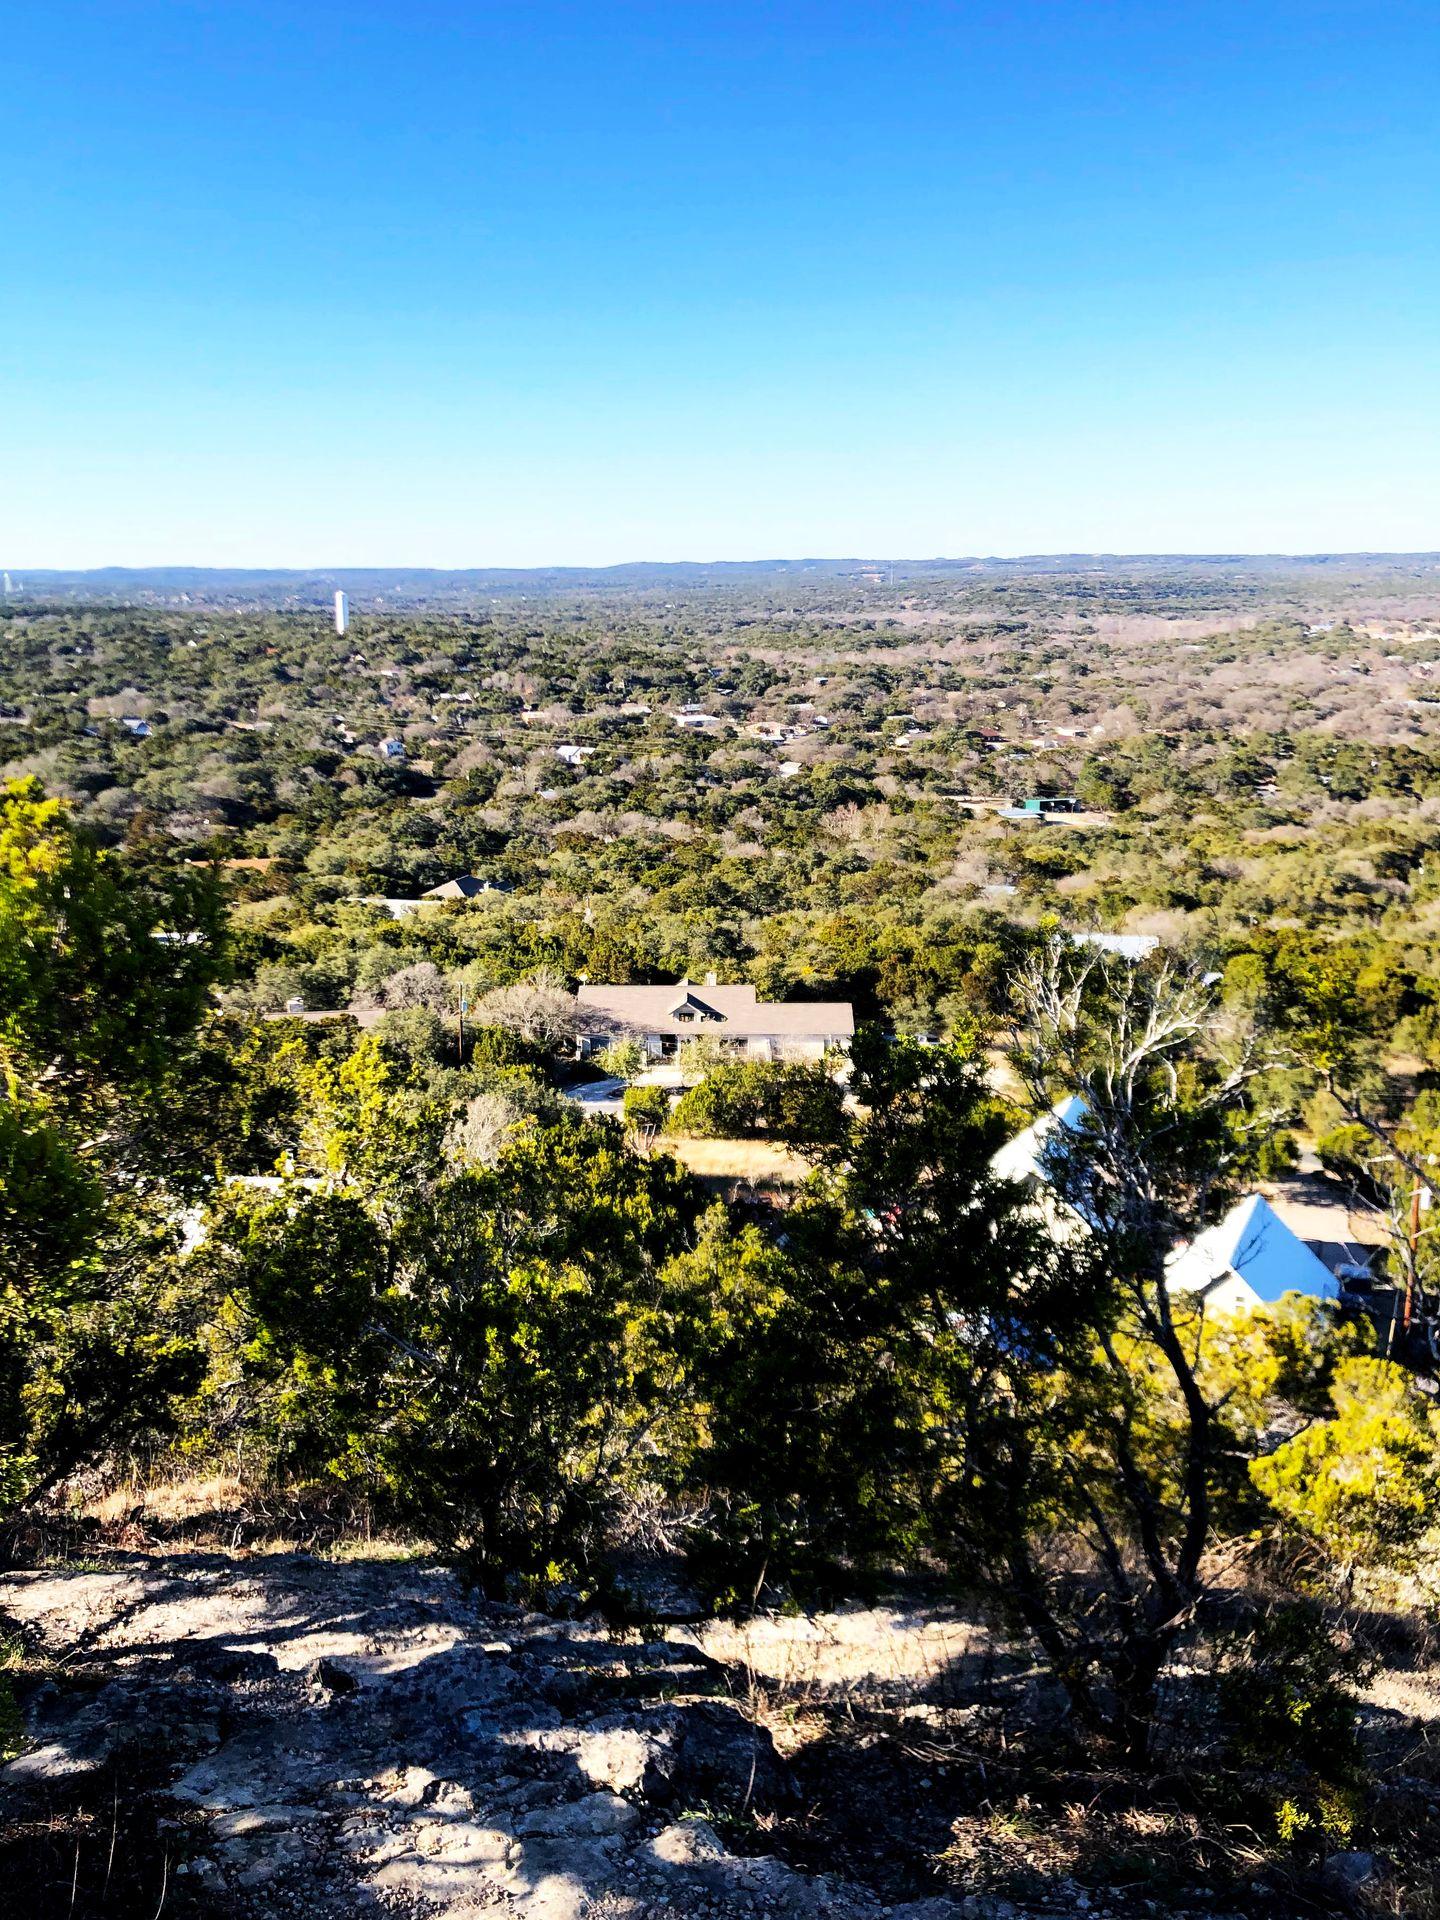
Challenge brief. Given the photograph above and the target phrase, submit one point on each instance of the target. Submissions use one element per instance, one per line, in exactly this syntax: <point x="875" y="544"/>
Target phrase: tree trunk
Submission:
<point x="1137" y="1673"/>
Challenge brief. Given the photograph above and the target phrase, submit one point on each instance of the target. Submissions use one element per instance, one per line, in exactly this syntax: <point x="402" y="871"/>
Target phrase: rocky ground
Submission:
<point x="275" y="1734"/>
<point x="342" y="1739"/>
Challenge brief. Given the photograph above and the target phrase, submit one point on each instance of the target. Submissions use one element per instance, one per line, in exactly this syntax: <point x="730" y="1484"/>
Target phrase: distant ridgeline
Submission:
<point x="393" y="587"/>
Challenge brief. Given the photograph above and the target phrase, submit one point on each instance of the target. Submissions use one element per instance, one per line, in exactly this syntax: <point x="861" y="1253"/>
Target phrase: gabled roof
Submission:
<point x="465" y="886"/>
<point x="1254" y="1244"/>
<point x="691" y="1003"/>
<point x="1034" y="1154"/>
<point x="647" y="1009"/>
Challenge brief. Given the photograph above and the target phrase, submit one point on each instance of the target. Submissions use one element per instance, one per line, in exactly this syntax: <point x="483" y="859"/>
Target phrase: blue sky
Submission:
<point x="324" y="284"/>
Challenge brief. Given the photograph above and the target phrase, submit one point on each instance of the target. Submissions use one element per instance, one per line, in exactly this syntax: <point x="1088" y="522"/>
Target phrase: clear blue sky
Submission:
<point x="424" y="283"/>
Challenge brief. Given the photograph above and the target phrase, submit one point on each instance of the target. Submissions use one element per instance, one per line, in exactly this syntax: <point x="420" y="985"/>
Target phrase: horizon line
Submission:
<point x="860" y="559"/>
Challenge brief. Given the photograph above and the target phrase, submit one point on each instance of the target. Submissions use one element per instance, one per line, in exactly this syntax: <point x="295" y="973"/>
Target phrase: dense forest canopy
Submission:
<point x="784" y="781"/>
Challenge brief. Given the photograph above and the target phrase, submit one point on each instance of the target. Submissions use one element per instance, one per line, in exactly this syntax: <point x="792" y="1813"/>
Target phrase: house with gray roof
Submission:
<point x="466" y="886"/>
<point x="662" y="1018"/>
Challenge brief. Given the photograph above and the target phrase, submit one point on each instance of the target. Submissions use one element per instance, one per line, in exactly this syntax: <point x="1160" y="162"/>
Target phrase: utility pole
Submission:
<point x="1412" y="1263"/>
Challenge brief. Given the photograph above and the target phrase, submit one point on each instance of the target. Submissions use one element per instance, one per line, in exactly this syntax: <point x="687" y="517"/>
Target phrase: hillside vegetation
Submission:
<point x="771" y="1336"/>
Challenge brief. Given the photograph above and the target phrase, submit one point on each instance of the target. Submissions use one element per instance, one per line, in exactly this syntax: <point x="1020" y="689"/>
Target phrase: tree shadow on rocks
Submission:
<point x="454" y="1754"/>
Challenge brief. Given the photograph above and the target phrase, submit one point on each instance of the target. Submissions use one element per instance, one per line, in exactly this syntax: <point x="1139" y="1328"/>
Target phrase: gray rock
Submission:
<point x="518" y="1724"/>
<point x="597" y="1813"/>
<point x="258" y="1858"/>
<point x="229" y="1665"/>
<point x="555" y="1879"/>
<point x="409" y="1877"/>
<point x="1352" y="1869"/>
<point x="463" y="1842"/>
<point x="279" y="1818"/>
<point x="76" y="1736"/>
<point x="564" y="1690"/>
<point x="688" y="1843"/>
<point x="629" y="1752"/>
<point x="57" y="1760"/>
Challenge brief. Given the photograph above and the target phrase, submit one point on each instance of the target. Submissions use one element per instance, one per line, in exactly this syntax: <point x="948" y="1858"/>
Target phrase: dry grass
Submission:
<point x="761" y="1163"/>
<point x="171" y="1500"/>
<point x="874" y="1656"/>
<point x="170" y="1508"/>
<point x="1013" y="1847"/>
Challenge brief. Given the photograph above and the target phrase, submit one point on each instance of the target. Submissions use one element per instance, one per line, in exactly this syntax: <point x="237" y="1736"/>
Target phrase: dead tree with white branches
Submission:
<point x="1166" y="1083"/>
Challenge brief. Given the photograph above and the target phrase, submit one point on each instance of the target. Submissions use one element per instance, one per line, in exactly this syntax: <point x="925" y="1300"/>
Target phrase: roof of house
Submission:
<point x="1032" y="1155"/>
<point x="735" y="1008"/>
<point x="1253" y="1243"/>
<point x="362" y="1016"/>
<point x="396" y="908"/>
<point x="1129" y="946"/>
<point x="465" y="886"/>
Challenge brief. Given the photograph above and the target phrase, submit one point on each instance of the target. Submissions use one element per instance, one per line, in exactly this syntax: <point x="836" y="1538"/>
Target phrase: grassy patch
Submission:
<point x="12" y="1724"/>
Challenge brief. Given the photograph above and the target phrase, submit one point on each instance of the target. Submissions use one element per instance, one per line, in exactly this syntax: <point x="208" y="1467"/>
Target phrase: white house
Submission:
<point x="1248" y="1259"/>
<point x="396" y="908"/>
<point x="1034" y="1157"/>
<point x="1035" y="1160"/>
<point x="661" y="1018"/>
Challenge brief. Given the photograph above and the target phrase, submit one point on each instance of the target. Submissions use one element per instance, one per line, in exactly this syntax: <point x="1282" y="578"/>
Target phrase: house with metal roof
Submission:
<point x="1126" y="946"/>
<point x="1248" y="1259"/>
<point x="1039" y="1160"/>
<point x="662" y="1018"/>
<point x="1035" y="1157"/>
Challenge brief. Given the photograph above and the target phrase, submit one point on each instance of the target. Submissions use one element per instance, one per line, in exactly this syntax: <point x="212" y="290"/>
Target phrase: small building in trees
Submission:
<point x="1035" y="1157"/>
<point x="1038" y="1160"/>
<point x="1125" y="946"/>
<point x="1248" y="1259"/>
<point x="1040" y="806"/>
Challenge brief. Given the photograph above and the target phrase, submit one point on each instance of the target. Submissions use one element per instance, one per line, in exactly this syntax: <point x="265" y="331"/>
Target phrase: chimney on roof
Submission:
<point x="710" y="979"/>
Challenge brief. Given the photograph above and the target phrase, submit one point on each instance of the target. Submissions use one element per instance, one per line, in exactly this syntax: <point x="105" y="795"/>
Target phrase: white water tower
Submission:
<point x="342" y="612"/>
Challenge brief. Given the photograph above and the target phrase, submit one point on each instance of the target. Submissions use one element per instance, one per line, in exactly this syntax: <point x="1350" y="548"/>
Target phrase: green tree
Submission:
<point x="1287" y="1705"/>
<point x="293" y="1285"/>
<point x="741" y="1098"/>
<point x="528" y="1366"/>
<point x="1133" y="1454"/>
<point x="1364" y="1484"/>
<point x="107" y="963"/>
<point x="834" y="1372"/>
